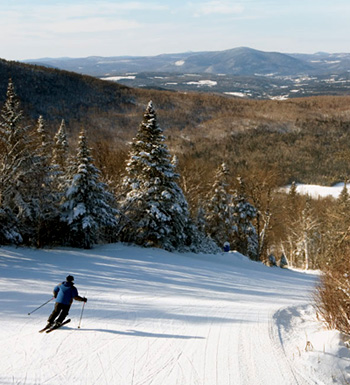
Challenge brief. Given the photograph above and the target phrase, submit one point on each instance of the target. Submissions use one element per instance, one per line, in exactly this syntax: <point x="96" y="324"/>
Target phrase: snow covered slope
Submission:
<point x="160" y="318"/>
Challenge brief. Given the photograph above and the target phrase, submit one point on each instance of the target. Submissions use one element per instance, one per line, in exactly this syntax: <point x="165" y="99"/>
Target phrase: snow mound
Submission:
<point x="315" y="351"/>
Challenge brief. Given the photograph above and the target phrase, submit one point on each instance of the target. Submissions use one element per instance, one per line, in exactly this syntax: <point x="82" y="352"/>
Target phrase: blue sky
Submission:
<point x="51" y="28"/>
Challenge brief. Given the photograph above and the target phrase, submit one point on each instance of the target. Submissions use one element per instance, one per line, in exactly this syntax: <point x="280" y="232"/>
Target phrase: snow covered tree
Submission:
<point x="9" y="231"/>
<point x="219" y="217"/>
<point x="245" y="235"/>
<point x="154" y="208"/>
<point x="17" y="166"/>
<point x="60" y="148"/>
<point x="60" y="161"/>
<point x="87" y="208"/>
<point x="45" y="194"/>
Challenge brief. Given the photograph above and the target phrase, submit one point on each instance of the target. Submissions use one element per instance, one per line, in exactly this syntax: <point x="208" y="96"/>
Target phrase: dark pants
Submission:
<point x="61" y="311"/>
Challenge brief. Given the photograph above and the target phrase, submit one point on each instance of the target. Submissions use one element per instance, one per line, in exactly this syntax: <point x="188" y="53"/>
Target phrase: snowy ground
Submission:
<point x="317" y="191"/>
<point x="160" y="318"/>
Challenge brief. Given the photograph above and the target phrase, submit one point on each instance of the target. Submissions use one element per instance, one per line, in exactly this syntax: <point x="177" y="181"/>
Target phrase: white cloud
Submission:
<point x="90" y="25"/>
<point x="71" y="18"/>
<point x="218" y="7"/>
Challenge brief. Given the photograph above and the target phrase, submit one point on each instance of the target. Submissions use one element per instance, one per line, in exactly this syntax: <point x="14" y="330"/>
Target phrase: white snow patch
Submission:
<point x="238" y="94"/>
<point x="180" y="63"/>
<point x="116" y="78"/>
<point x="209" y="83"/>
<point x="317" y="191"/>
<point x="281" y="97"/>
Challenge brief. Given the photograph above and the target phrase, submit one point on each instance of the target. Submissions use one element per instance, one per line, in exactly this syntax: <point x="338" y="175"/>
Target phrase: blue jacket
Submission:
<point x="65" y="292"/>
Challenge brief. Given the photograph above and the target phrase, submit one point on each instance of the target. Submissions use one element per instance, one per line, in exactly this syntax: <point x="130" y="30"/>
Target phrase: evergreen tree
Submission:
<point x="60" y="148"/>
<point x="47" y="215"/>
<point x="154" y="208"/>
<point x="86" y="209"/>
<point x="343" y="200"/>
<point x="293" y="190"/>
<point x="9" y="231"/>
<point x="245" y="237"/>
<point x="61" y="172"/>
<point x="219" y="217"/>
<point x="17" y="165"/>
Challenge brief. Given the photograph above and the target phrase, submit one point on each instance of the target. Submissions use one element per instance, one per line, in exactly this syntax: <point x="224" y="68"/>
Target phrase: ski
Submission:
<point x="56" y="327"/>
<point x="45" y="328"/>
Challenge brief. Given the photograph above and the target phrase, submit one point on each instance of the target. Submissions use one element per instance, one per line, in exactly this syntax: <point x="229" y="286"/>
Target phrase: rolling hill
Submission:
<point x="240" y="61"/>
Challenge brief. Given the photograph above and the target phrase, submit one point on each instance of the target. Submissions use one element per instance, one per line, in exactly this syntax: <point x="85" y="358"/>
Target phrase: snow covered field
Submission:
<point x="317" y="191"/>
<point x="161" y="318"/>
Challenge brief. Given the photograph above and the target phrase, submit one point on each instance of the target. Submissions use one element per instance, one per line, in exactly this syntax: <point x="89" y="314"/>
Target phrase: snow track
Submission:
<point x="152" y="318"/>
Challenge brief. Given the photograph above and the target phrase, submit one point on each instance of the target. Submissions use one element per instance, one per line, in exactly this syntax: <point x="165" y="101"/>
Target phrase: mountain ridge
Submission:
<point x="242" y="61"/>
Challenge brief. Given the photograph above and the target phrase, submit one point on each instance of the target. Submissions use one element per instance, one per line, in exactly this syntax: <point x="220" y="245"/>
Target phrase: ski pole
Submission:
<point x="41" y="306"/>
<point x="81" y="315"/>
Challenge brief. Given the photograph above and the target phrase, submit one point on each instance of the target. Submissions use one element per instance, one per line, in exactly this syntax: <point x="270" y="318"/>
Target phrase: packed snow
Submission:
<point x="161" y="318"/>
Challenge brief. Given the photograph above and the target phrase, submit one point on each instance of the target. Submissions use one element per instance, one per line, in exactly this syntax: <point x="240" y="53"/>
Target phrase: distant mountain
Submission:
<point x="241" y="61"/>
<point x="326" y="63"/>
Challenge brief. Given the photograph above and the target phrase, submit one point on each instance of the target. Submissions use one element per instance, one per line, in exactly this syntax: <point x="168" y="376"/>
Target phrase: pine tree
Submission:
<point x="17" y="165"/>
<point x="154" y="208"/>
<point x="87" y="208"/>
<point x="245" y="237"/>
<point x="219" y="217"/>
<point x="61" y="172"/>
<point x="60" y="148"/>
<point x="343" y="200"/>
<point x="47" y="198"/>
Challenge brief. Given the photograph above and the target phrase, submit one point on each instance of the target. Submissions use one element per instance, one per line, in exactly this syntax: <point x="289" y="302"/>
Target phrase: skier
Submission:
<point x="64" y="293"/>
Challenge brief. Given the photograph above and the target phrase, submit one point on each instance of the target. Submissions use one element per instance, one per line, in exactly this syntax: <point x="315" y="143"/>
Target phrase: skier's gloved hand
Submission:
<point x="84" y="299"/>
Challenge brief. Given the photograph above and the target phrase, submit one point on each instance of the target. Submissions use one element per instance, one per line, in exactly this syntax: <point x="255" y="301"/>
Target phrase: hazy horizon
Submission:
<point x="75" y="28"/>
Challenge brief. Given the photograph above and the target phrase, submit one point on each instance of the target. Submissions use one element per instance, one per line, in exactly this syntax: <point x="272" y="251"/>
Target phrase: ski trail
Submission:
<point x="152" y="318"/>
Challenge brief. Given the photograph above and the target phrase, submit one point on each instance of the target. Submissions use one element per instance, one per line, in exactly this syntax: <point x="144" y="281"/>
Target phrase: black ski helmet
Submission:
<point x="70" y="278"/>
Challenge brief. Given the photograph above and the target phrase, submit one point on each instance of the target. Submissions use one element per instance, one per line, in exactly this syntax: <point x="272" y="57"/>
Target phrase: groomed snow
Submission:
<point x="161" y="318"/>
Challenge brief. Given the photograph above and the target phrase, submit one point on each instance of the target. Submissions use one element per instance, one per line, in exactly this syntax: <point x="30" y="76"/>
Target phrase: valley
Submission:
<point x="271" y="86"/>
<point x="239" y="72"/>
